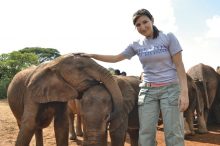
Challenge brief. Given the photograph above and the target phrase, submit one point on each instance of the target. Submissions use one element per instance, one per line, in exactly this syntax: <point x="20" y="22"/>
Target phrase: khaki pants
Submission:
<point x="150" y="101"/>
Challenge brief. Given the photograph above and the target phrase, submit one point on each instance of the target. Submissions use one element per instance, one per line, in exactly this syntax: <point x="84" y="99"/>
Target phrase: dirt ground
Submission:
<point x="9" y="130"/>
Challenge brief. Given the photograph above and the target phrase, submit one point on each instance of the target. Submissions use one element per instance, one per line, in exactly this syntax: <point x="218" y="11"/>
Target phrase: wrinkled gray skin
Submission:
<point x="194" y="105"/>
<point x="96" y="106"/>
<point x="214" y="116"/>
<point x="216" y="107"/>
<point x="38" y="94"/>
<point x="215" y="110"/>
<point x="207" y="81"/>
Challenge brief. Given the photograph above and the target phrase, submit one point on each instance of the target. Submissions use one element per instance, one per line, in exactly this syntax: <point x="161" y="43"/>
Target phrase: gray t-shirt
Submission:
<point x="155" y="57"/>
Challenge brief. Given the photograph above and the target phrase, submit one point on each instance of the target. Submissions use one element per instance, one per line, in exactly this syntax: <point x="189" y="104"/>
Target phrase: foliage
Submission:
<point x="4" y="82"/>
<point x="112" y="70"/>
<point x="13" y="62"/>
<point x="44" y="54"/>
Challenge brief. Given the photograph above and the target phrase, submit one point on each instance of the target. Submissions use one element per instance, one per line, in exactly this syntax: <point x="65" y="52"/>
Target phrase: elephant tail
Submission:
<point x="199" y="108"/>
<point x="204" y="82"/>
<point x="206" y="94"/>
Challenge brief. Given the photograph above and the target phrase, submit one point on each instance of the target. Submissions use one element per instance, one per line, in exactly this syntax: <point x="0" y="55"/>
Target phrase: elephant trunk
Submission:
<point x="94" y="138"/>
<point x="112" y="86"/>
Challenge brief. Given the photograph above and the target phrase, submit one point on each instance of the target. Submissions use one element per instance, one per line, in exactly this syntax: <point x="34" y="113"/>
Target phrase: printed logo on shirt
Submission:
<point x="152" y="50"/>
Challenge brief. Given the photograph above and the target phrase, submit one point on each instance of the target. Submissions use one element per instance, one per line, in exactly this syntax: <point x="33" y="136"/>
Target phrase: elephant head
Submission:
<point x="95" y="123"/>
<point x="65" y="77"/>
<point x="97" y="99"/>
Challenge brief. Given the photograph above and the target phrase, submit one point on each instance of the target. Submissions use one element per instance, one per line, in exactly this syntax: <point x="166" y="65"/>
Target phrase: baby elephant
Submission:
<point x="96" y="107"/>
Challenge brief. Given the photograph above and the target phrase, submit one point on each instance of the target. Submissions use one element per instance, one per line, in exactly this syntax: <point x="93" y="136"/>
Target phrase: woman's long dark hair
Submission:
<point x="144" y="12"/>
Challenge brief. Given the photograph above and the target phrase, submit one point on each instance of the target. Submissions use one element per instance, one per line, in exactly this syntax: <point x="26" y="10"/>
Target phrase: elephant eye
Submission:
<point x="80" y="66"/>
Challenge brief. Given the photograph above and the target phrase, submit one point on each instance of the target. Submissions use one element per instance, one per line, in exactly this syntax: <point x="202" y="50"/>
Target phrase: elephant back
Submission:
<point x="201" y="72"/>
<point x="207" y="78"/>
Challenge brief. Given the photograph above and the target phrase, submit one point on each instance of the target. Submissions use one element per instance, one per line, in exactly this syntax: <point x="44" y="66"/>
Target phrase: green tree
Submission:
<point x="112" y="70"/>
<point x="3" y="87"/>
<point x="18" y="61"/>
<point x="44" y="54"/>
<point x="12" y="63"/>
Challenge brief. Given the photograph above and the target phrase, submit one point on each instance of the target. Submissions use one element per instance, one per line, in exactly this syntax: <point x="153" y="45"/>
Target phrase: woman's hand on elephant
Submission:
<point x="184" y="101"/>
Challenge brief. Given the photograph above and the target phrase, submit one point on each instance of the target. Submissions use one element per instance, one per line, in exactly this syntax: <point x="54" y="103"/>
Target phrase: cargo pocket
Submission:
<point x="142" y="95"/>
<point x="173" y="94"/>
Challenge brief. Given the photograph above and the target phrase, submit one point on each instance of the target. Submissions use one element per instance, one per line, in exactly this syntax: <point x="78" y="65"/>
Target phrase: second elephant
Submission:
<point x="96" y="106"/>
<point x="195" y="104"/>
<point x="208" y="81"/>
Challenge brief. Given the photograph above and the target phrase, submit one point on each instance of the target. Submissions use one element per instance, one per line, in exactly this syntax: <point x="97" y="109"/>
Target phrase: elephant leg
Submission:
<point x="25" y="135"/>
<point x="39" y="137"/>
<point x="27" y="125"/>
<point x="72" y="134"/>
<point x="133" y="134"/>
<point x="78" y="126"/>
<point x="206" y="112"/>
<point x="216" y="113"/>
<point x="189" y="116"/>
<point x="61" y="125"/>
<point x="79" y="131"/>
<point x="202" y="126"/>
<point x="187" y="130"/>
<point x="118" y="135"/>
<point x="211" y="117"/>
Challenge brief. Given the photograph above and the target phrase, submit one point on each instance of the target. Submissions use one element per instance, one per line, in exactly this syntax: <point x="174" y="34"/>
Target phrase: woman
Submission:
<point x="164" y="85"/>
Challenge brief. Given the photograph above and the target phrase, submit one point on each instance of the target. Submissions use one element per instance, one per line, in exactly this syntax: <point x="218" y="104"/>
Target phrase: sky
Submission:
<point x="105" y="27"/>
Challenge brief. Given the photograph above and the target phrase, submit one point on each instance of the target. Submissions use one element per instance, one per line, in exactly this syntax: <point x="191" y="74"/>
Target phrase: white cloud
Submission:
<point x="203" y="48"/>
<point x="213" y="26"/>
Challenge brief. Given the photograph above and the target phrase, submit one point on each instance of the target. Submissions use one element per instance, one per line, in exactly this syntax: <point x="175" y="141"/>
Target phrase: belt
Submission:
<point x="153" y="84"/>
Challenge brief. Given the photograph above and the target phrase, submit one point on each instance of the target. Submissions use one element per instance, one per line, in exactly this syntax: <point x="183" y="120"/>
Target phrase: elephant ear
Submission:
<point x="46" y="85"/>
<point x="129" y="99"/>
<point x="128" y="93"/>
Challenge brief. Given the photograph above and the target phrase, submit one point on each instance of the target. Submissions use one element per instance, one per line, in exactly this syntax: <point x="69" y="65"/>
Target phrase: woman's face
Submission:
<point x="144" y="26"/>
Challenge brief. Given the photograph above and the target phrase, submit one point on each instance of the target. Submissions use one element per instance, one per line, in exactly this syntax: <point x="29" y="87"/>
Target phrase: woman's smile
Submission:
<point x="144" y="26"/>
